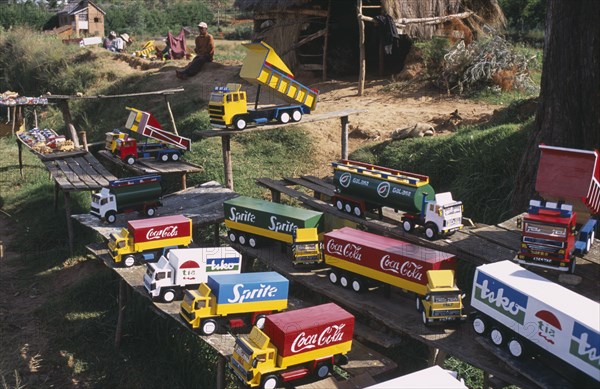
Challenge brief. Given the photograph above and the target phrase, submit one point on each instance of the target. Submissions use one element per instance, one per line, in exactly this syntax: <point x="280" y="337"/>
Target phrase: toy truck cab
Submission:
<point x="198" y="304"/>
<point x="252" y="358"/>
<point x="444" y="213"/>
<point x="118" y="244"/>
<point x="306" y="247"/>
<point x="226" y="104"/>
<point x="443" y="301"/>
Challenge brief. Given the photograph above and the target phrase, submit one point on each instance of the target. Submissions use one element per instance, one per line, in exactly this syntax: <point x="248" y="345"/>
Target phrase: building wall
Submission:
<point x="95" y="22"/>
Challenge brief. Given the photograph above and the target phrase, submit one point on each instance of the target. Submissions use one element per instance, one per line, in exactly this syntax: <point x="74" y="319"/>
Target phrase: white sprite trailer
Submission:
<point x="188" y="268"/>
<point x="528" y="313"/>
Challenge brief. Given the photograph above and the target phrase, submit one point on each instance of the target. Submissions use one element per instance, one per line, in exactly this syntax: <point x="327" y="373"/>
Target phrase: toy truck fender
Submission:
<point x="248" y="218"/>
<point x="188" y="268"/>
<point x="525" y="312"/>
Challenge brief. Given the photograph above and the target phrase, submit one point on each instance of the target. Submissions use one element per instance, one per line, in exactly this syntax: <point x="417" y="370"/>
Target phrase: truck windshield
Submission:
<point x="188" y="299"/>
<point x="96" y="198"/>
<point x="150" y="272"/>
<point x="444" y="298"/>
<point x="452" y="210"/>
<point x="305" y="248"/>
<point x="216" y="97"/>
<point x="544" y="229"/>
<point x="242" y="351"/>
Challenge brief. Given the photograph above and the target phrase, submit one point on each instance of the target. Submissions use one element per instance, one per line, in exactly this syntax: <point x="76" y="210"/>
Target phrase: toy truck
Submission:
<point x="171" y="147"/>
<point x="228" y="106"/>
<point x="250" y="220"/>
<point x="292" y="345"/>
<point x="145" y="240"/>
<point x="361" y="186"/>
<point x="187" y="268"/>
<point x="529" y="314"/>
<point x="360" y="259"/>
<point x="141" y="193"/>
<point x="433" y="377"/>
<point x="236" y="297"/>
<point x="568" y="179"/>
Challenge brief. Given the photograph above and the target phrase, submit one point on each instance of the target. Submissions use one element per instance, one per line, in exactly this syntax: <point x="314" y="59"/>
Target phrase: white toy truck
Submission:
<point x="529" y="314"/>
<point x="187" y="269"/>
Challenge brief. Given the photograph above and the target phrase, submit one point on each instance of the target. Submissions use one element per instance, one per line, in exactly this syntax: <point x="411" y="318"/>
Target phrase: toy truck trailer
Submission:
<point x="568" y="179"/>
<point x="360" y="259"/>
<point x="141" y="193"/>
<point x="433" y="377"/>
<point x="171" y="146"/>
<point x="146" y="240"/>
<point x="263" y="67"/>
<point x="529" y="314"/>
<point x="237" y="297"/>
<point x="361" y="186"/>
<point x="250" y="220"/>
<point x="187" y="268"/>
<point x="292" y="345"/>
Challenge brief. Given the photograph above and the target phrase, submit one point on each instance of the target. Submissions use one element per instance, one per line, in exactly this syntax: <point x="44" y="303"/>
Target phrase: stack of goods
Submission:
<point x="46" y="141"/>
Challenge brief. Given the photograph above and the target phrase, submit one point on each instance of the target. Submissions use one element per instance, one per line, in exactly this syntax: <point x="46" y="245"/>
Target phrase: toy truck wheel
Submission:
<point x="408" y="225"/>
<point x="232" y="236"/>
<point x="252" y="242"/>
<point x="357" y="211"/>
<point x="333" y="277"/>
<point x="150" y="211"/>
<point x="348" y="208"/>
<point x="515" y="348"/>
<point x="129" y="261"/>
<point x="164" y="157"/>
<point x="284" y="118"/>
<point x="322" y="370"/>
<point x="357" y="285"/>
<point x="174" y="157"/>
<point x="270" y="382"/>
<point x="479" y="325"/>
<point x="431" y="231"/>
<point x="344" y="281"/>
<point x="339" y="205"/>
<point x="260" y="321"/>
<point x="208" y="327"/>
<point x="168" y="295"/>
<point x="418" y="303"/>
<point x="296" y="115"/>
<point x="424" y="318"/>
<point x="242" y="240"/>
<point x="111" y="217"/>
<point x="239" y="123"/>
<point x="496" y="336"/>
<point x="130" y="160"/>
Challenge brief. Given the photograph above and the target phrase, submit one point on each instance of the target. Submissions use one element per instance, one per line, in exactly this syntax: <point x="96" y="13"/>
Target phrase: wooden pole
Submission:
<point x="20" y="147"/>
<point x="63" y="105"/>
<point x="221" y="372"/>
<point x="226" y="146"/>
<point x="83" y="136"/>
<point x="121" y="316"/>
<point x="14" y="123"/>
<point x="216" y="237"/>
<point x="344" y="120"/>
<point x="184" y="181"/>
<point x="67" y="197"/>
<point x="35" y="119"/>
<point x="361" y="48"/>
<point x="326" y="41"/>
<point x="171" y="115"/>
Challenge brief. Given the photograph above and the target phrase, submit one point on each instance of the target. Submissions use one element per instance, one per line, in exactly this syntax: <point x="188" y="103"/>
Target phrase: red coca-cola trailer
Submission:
<point x="309" y="329"/>
<point x="166" y="227"/>
<point x="356" y="257"/>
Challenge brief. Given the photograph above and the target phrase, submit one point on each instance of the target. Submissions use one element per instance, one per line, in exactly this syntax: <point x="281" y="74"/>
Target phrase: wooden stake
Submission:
<point x="344" y="120"/>
<point x="361" y="48"/>
<point x="226" y="146"/>
<point x="171" y="115"/>
<point x="121" y="316"/>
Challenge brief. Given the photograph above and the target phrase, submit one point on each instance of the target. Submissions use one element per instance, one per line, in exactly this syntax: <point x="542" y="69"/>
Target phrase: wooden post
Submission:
<point x="14" y="123"/>
<point x="226" y="146"/>
<point x="121" y="316"/>
<point x="381" y="58"/>
<point x="83" y="136"/>
<point x="35" y="119"/>
<point x="436" y="356"/>
<point x="216" y="237"/>
<point x="275" y="196"/>
<point x="20" y="147"/>
<point x="183" y="181"/>
<point x="221" y="372"/>
<point x="361" y="48"/>
<point x="344" y="120"/>
<point x="326" y="41"/>
<point x="171" y="115"/>
<point x="67" y="197"/>
<point x="56" y="187"/>
<point x="71" y="133"/>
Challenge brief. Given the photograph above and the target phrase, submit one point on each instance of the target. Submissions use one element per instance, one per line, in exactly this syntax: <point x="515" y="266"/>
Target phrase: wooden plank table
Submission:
<point x="151" y="166"/>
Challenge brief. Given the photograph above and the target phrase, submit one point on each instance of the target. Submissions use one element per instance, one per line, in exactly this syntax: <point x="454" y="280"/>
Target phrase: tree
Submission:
<point x="568" y="113"/>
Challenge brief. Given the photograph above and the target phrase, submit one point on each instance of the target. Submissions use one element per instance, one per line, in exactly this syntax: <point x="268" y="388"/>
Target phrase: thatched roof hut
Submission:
<point x="331" y="35"/>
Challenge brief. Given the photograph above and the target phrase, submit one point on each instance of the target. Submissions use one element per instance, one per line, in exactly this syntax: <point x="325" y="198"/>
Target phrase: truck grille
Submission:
<point x="189" y="317"/>
<point x="216" y="110"/>
<point x="446" y="312"/>
<point x="239" y="370"/>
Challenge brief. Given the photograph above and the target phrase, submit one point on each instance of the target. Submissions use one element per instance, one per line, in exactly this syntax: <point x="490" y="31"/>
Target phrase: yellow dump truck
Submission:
<point x="228" y="106"/>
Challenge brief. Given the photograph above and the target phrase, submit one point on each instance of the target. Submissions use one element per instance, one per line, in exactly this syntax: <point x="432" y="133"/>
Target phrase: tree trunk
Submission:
<point x="568" y="112"/>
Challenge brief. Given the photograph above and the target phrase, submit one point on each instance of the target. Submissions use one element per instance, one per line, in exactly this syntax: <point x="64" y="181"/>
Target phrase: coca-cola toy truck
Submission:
<point x="361" y="187"/>
<point x="292" y="345"/>
<point x="359" y="259"/>
<point x="145" y="240"/>
<point x="235" y="300"/>
<point x="142" y="194"/>
<point x="250" y="220"/>
<point x="530" y="315"/>
<point x="187" y="269"/>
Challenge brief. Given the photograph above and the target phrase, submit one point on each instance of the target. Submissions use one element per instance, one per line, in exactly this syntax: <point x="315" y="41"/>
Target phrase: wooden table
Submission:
<point x="144" y="166"/>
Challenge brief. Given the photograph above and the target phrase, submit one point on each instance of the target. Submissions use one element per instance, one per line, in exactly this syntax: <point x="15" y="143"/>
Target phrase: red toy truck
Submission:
<point x="292" y="345"/>
<point x="147" y="239"/>
<point x="359" y="259"/>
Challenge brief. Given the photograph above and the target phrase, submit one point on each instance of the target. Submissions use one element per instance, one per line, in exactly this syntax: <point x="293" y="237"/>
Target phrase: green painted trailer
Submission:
<point x="247" y="218"/>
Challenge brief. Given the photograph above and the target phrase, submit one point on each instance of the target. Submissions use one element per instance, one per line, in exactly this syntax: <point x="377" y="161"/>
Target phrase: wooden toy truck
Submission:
<point x="360" y="259"/>
<point x="362" y="187"/>
<point x="187" y="268"/>
<point x="142" y="194"/>
<point x="228" y="106"/>
<point x="250" y="220"/>
<point x="147" y="239"/>
<point x="530" y="315"/>
<point x="569" y="181"/>
<point x="292" y="345"/>
<point x="234" y="299"/>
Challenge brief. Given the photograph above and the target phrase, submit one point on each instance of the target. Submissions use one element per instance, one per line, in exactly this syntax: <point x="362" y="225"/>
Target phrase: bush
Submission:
<point x="240" y="32"/>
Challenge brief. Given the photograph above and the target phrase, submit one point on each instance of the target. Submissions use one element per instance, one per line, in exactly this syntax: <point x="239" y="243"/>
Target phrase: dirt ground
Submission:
<point x="22" y="339"/>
